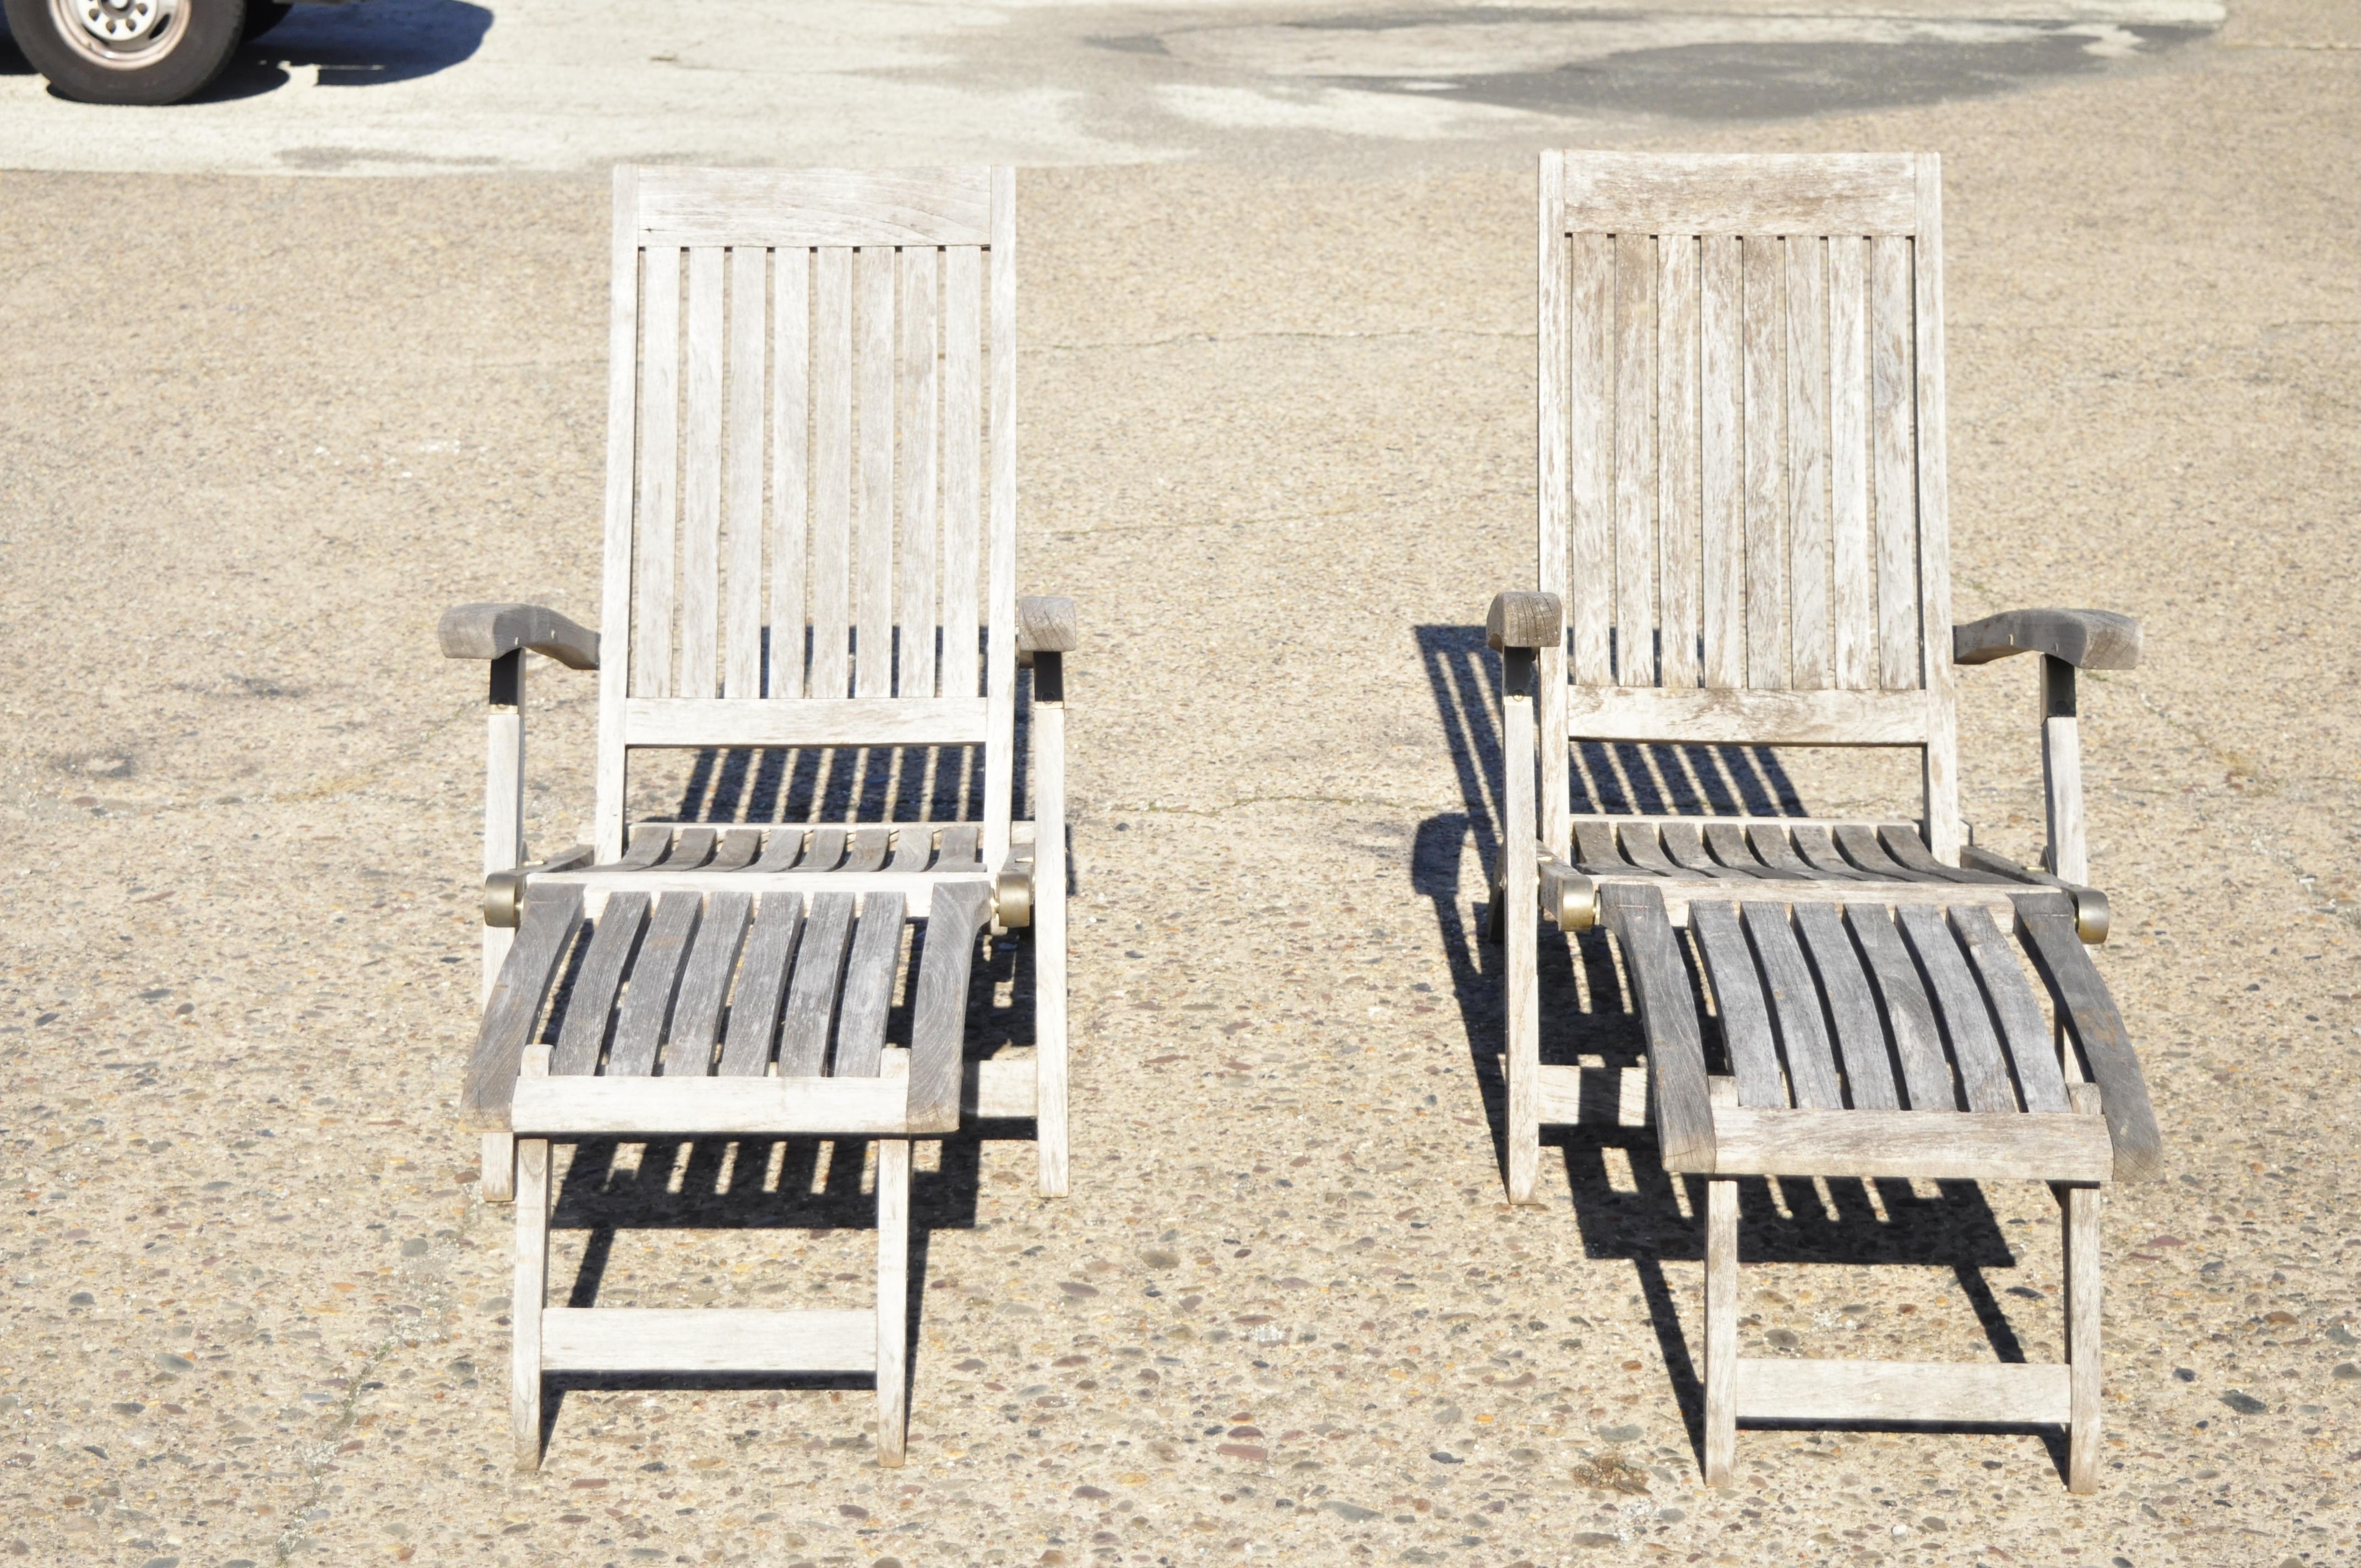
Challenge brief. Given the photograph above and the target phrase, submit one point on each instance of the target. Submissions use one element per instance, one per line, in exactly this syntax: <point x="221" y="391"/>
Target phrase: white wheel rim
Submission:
<point x="122" y="34"/>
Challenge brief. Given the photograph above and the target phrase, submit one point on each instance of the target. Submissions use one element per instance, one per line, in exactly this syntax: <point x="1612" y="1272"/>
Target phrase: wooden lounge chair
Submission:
<point x="1743" y="540"/>
<point x="811" y="542"/>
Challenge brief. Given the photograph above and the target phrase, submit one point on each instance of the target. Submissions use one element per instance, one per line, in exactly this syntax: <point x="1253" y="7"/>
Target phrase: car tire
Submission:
<point x="128" y="51"/>
<point x="261" y="15"/>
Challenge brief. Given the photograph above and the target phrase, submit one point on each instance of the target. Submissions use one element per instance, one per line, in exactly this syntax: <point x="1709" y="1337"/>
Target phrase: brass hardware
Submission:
<point x="1569" y="899"/>
<point x="504" y="898"/>
<point x="1012" y="899"/>
<point x="2090" y="915"/>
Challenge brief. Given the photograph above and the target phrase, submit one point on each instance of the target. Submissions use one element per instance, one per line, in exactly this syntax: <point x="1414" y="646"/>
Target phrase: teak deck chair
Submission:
<point x="1743" y="540"/>
<point x="811" y="542"/>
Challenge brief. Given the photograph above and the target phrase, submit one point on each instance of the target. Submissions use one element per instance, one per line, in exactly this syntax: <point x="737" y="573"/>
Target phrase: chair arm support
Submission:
<point x="494" y="630"/>
<point x="1527" y="622"/>
<point x="2086" y="638"/>
<point x="1046" y="623"/>
<point x="2092" y="913"/>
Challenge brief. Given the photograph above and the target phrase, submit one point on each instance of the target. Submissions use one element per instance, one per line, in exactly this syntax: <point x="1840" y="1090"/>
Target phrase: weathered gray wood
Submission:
<point x="1000" y="550"/>
<point x="708" y="1339"/>
<point x="1679" y="462"/>
<point x="912" y="849"/>
<point x="1852" y="1006"/>
<point x="869" y="975"/>
<point x="783" y="849"/>
<point x="916" y="609"/>
<point x="1818" y="850"/>
<point x="1767" y="490"/>
<point x="545" y="936"/>
<point x="790" y="470"/>
<point x="1553" y="432"/>
<point x="1722" y="1363"/>
<point x="1722" y="371"/>
<point x="1904" y="845"/>
<point x="873" y="588"/>
<point x="737" y="848"/>
<point x="591" y="1007"/>
<point x="1731" y="846"/>
<point x="1968" y="1147"/>
<point x="962" y="463"/>
<point x="1982" y="1075"/>
<point x="691" y="846"/>
<point x="2080" y="996"/>
<point x="1807" y="461"/>
<point x="1668" y="1011"/>
<point x="1926" y="1074"/>
<point x="1853" y="601"/>
<point x="1591" y="436"/>
<point x="866" y="851"/>
<point x="700" y="513"/>
<point x="879" y="721"/>
<point x="1796" y="1002"/>
<point x="1613" y="193"/>
<point x="2083" y="1301"/>
<point x="761" y="986"/>
<point x="653" y="980"/>
<point x="705" y="985"/>
<point x="893" y="1301"/>
<point x="1717" y="717"/>
<point x="1739" y="1000"/>
<point x="492" y="630"/>
<point x="1685" y="844"/>
<point x="1900" y="1391"/>
<point x="1939" y="759"/>
<point x="2086" y="638"/>
<point x="780" y="1107"/>
<point x="617" y="556"/>
<point x="938" y="1007"/>
<point x="1893" y="384"/>
<point x="790" y="207"/>
<point x="2031" y="1046"/>
<point x="1635" y="459"/>
<point x="1047" y="623"/>
<point x="658" y="513"/>
<point x="1525" y="620"/>
<point x="1596" y="850"/>
<point x="823" y="851"/>
<point x="528" y="1293"/>
<point x="812" y="992"/>
<point x="1643" y="850"/>
<point x="957" y="848"/>
<point x="1773" y="848"/>
<point x="831" y="592"/>
<point x="742" y="665"/>
<point x="1860" y="846"/>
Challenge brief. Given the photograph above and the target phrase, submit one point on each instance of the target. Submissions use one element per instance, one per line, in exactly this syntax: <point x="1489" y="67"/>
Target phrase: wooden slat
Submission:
<point x="1737" y="999"/>
<point x="761" y="986"/>
<point x="707" y="1339"/>
<point x="999" y="1089"/>
<point x="1939" y="761"/>
<point x="648" y="843"/>
<point x="1685" y="846"/>
<point x="1590" y="464"/>
<point x="691" y="847"/>
<point x="1766" y="486"/>
<point x="781" y="849"/>
<point x="791" y="469"/>
<point x="1892" y="468"/>
<point x="1964" y="1146"/>
<point x="1860" y="847"/>
<point x="2032" y="1048"/>
<point x="917" y="888"/>
<point x="1925" y="1075"/>
<point x="1721" y="372"/>
<point x="1668" y="1010"/>
<point x="2082" y="1326"/>
<point x="825" y="850"/>
<point x="1679" y="473"/>
<point x="1595" y="847"/>
<point x="914" y="609"/>
<point x="812" y="992"/>
<point x="1853" y="600"/>
<point x="1000" y="553"/>
<point x="737" y="847"/>
<point x="742" y="664"/>
<point x="1907" y="848"/>
<point x="912" y="849"/>
<point x="1640" y="847"/>
<point x="705" y="985"/>
<point x="591" y="1007"/>
<point x="1717" y="715"/>
<point x="1983" y="1076"/>
<point x="815" y="206"/>
<point x="1807" y="461"/>
<point x="1553" y="354"/>
<point x="1731" y="846"/>
<point x="1635" y="460"/>
<point x="1611" y="193"/>
<point x="1771" y="846"/>
<point x="893" y="1301"/>
<point x="545" y="936"/>
<point x="1963" y="1393"/>
<point x="700" y="513"/>
<point x="619" y="554"/>
<point x="1683" y="887"/>
<point x="869" y="974"/>
<point x="621" y="1107"/>
<point x="1861" y="1038"/>
<point x="654" y="979"/>
<point x="832" y="541"/>
<point x="815" y="721"/>
<point x="1796" y="1002"/>
<point x="962" y="463"/>
<point x="2080" y="996"/>
<point x="938" y="1005"/>
<point x="659" y="508"/>
<point x="866" y="850"/>
<point x="1595" y="1096"/>
<point x="873" y="588"/>
<point x="958" y="849"/>
<point x="1819" y="852"/>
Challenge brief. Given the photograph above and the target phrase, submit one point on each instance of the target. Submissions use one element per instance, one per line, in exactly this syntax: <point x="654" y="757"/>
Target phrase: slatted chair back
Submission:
<point x="811" y="467"/>
<point x="1742" y="458"/>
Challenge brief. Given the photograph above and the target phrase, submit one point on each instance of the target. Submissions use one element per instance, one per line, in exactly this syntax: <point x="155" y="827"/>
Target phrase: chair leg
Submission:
<point x="892" y="1298"/>
<point x="497" y="1181"/>
<point x="1720" y="1331"/>
<point x="527" y="1297"/>
<point x="2081" y="1226"/>
<point x="1522" y="1065"/>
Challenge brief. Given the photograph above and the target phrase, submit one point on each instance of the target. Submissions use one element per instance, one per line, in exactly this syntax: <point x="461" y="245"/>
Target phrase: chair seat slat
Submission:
<point x="653" y="980"/>
<point x="869" y="974"/>
<point x="705" y="985"/>
<point x="1974" y="1046"/>
<point x="591" y="1007"/>
<point x="1739" y="999"/>
<point x="1852" y="1006"/>
<point x="761" y="986"/>
<point x="1925" y="1075"/>
<point x="2023" y="1029"/>
<point x="812" y="990"/>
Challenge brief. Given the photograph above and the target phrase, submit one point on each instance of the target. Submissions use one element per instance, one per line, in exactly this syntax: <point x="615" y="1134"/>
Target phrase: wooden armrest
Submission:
<point x="494" y="630"/>
<point x="1047" y="624"/>
<point x="1524" y="620"/>
<point x="2086" y="638"/>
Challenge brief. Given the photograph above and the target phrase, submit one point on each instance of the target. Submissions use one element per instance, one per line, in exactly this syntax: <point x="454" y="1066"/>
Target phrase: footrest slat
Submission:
<point x="1905" y="1391"/>
<point x="707" y="1339"/>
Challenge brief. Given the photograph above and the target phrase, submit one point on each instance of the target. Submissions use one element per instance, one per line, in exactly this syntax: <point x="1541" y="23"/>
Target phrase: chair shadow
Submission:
<point x="360" y="45"/>
<point x="1588" y="1016"/>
